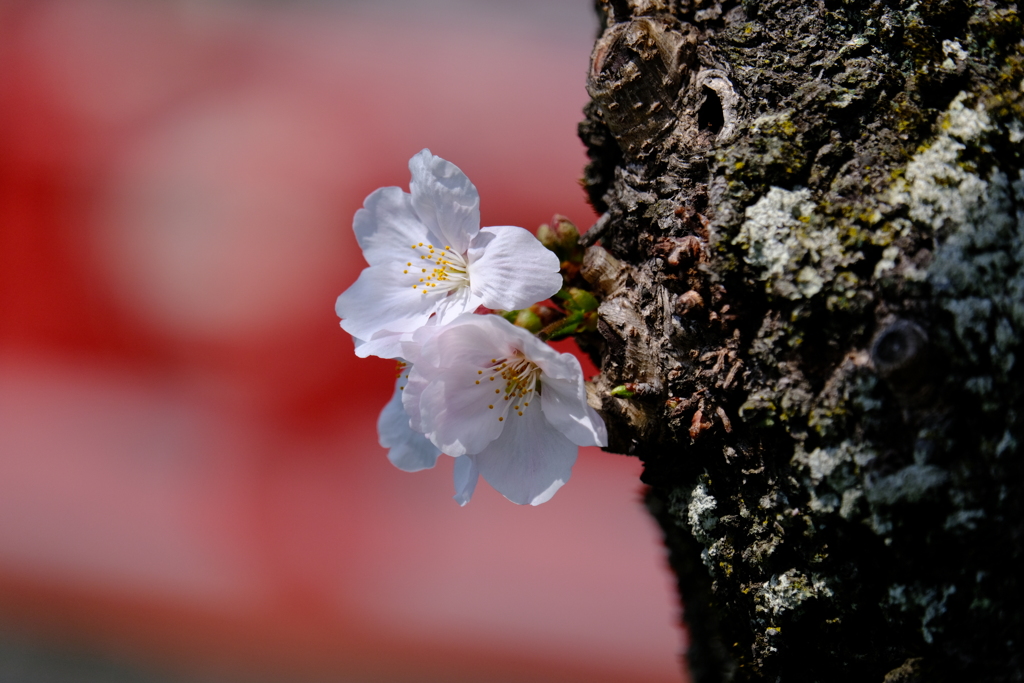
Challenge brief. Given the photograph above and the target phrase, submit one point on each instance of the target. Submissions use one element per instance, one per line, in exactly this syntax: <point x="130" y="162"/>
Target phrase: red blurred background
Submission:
<point x="190" y="484"/>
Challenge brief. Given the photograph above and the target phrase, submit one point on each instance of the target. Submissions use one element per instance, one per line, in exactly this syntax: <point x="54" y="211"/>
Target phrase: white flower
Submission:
<point x="505" y="404"/>
<point x="428" y="255"/>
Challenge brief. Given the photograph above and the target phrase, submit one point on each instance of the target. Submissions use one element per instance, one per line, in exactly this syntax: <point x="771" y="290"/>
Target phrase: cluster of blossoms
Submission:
<point x="476" y="387"/>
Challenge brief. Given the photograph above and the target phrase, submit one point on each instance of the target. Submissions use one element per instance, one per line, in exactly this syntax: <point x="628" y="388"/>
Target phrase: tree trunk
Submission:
<point x="812" y="284"/>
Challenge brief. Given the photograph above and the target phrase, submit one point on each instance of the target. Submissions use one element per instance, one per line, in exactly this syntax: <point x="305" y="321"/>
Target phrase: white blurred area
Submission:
<point x="189" y="474"/>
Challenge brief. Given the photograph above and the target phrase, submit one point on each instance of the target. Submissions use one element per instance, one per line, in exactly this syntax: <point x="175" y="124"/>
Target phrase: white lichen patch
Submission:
<point x="700" y="512"/>
<point x="787" y="591"/>
<point x="953" y="48"/>
<point x="823" y="463"/>
<point x="791" y="251"/>
<point x="979" y="234"/>
<point x="1016" y="131"/>
<point x="694" y="510"/>
<point x="851" y="503"/>
<point x="963" y="123"/>
<point x="966" y="520"/>
<point x="834" y="477"/>
<point x="888" y="261"/>
<point x="929" y="603"/>
<point x="779" y="123"/>
<point x="1007" y="445"/>
<point x="976" y="273"/>
<point x="825" y="503"/>
<point x="911" y="484"/>
<point x="936" y="189"/>
<point x="954" y="53"/>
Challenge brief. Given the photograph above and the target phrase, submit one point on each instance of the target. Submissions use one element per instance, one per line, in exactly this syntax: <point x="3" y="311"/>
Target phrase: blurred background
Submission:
<point x="190" y="483"/>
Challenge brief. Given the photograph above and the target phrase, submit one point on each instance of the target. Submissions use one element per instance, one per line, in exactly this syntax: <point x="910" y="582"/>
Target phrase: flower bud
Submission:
<point x="548" y="237"/>
<point x="528" y="320"/>
<point x="546" y="314"/>
<point x="563" y="239"/>
<point x="575" y="299"/>
<point x="568" y="238"/>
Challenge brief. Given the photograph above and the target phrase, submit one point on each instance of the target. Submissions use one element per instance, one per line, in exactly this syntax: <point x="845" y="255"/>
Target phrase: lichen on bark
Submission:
<point x="811" y="275"/>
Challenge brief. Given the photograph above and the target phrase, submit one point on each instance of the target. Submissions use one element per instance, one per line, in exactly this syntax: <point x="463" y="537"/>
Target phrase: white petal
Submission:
<point x="383" y="344"/>
<point x="564" y="403"/>
<point x="442" y="396"/>
<point x="412" y="348"/>
<point x="466" y="475"/>
<point x="409" y="450"/>
<point x="444" y="199"/>
<point x="455" y="412"/>
<point x="383" y="298"/>
<point x="463" y="341"/>
<point x="412" y="397"/>
<point x="387" y="226"/>
<point x="553" y="363"/>
<point x="448" y="358"/>
<point x="502" y="336"/>
<point x="529" y="461"/>
<point x="547" y="494"/>
<point x="460" y="301"/>
<point x="509" y="268"/>
<point x="471" y="340"/>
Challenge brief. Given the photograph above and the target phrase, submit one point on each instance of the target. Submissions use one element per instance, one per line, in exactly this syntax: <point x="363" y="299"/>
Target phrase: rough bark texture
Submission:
<point x="812" y="303"/>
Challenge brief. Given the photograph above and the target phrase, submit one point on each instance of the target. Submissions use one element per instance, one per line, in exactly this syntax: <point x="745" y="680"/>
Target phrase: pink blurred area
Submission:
<point x="189" y="474"/>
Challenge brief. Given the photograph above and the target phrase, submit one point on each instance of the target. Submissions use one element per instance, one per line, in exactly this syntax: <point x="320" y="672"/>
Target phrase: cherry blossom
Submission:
<point x="506" y="405"/>
<point x="428" y="256"/>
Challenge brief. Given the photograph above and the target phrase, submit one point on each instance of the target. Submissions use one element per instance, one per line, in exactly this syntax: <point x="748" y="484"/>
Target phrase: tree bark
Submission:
<point x="812" y="298"/>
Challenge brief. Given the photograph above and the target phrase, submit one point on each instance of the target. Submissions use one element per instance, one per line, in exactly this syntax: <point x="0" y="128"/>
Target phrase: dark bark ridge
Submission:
<point x="812" y="303"/>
